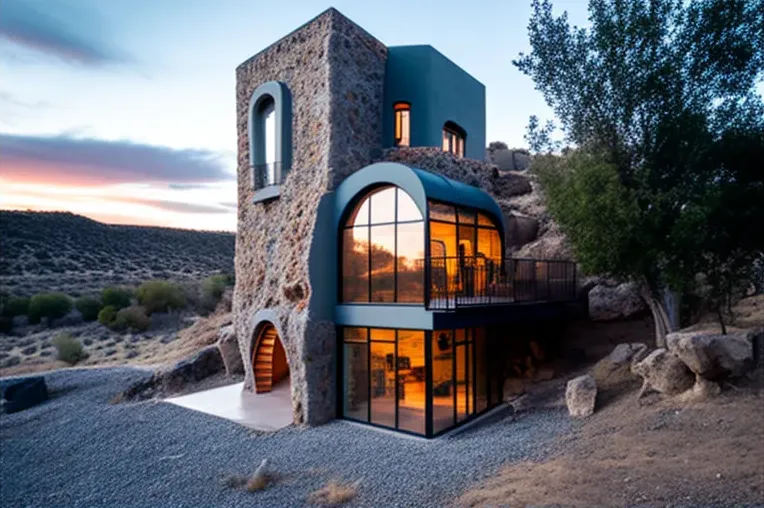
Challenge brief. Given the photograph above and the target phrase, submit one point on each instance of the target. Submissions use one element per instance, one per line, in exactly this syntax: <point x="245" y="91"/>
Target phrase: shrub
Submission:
<point x="13" y="306"/>
<point x="160" y="296"/>
<point x="88" y="307"/>
<point x="117" y="297"/>
<point x="50" y="306"/>
<point x="69" y="349"/>
<point x="334" y="493"/>
<point x="213" y="288"/>
<point x="107" y="315"/>
<point x="133" y="318"/>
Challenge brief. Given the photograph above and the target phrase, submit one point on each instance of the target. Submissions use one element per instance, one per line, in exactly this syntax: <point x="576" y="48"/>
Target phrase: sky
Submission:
<point x="124" y="110"/>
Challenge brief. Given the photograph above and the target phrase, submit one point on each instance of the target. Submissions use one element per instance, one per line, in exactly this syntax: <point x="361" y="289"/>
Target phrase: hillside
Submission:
<point x="46" y="251"/>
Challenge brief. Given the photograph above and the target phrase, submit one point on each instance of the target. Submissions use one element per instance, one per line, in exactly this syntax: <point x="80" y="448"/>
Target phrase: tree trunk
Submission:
<point x="662" y="322"/>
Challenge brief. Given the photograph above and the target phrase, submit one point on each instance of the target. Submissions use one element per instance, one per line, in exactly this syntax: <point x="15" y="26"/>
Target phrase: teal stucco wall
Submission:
<point x="438" y="91"/>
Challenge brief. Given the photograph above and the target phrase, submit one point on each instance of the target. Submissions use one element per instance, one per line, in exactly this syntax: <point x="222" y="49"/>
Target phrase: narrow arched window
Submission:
<point x="402" y="112"/>
<point x="267" y="117"/>
<point x="454" y="139"/>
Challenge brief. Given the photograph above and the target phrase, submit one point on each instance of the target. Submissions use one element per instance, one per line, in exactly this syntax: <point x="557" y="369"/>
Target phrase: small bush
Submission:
<point x="88" y="307"/>
<point x="107" y="315"/>
<point x="132" y="318"/>
<point x="50" y="306"/>
<point x="15" y="306"/>
<point x="69" y="349"/>
<point x="160" y="296"/>
<point x="117" y="297"/>
<point x="213" y="288"/>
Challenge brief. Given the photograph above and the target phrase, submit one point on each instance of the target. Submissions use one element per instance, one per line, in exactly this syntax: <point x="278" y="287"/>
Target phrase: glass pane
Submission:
<point x="405" y="129"/>
<point x="382" y="334"/>
<point x="383" y="206"/>
<point x="461" y="382"/>
<point x="269" y="124"/>
<point x="360" y="216"/>
<point x="410" y="276"/>
<point x="466" y="241"/>
<point x="353" y="334"/>
<point x="383" y="383"/>
<point x="355" y="377"/>
<point x="382" y="263"/>
<point x="355" y="265"/>
<point x="444" y="235"/>
<point x="446" y="141"/>
<point x="442" y="380"/>
<point x="442" y="212"/>
<point x="411" y="374"/>
<point x="466" y="216"/>
<point x="489" y="244"/>
<point x="481" y="369"/>
<point x="407" y="209"/>
<point x="484" y="220"/>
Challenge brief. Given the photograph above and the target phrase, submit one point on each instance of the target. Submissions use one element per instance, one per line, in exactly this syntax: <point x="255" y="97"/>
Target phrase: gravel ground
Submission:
<point x="79" y="450"/>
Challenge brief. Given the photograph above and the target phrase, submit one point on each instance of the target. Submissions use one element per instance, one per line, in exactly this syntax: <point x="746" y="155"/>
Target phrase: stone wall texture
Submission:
<point x="335" y="73"/>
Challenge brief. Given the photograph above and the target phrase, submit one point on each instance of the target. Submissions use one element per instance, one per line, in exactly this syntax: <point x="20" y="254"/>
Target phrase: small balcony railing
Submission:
<point x="453" y="282"/>
<point x="269" y="173"/>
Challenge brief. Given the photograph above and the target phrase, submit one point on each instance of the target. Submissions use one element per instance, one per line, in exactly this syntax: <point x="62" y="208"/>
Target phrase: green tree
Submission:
<point x="50" y="306"/>
<point x="117" y="297"/>
<point x="160" y="296"/>
<point x="660" y="97"/>
<point x="88" y="307"/>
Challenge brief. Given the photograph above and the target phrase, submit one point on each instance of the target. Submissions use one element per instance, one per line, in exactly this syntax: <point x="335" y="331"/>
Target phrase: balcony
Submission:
<point x="267" y="179"/>
<point x="461" y="282"/>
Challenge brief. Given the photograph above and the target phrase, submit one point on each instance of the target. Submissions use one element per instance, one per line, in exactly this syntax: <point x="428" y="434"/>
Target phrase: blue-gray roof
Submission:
<point x="420" y="184"/>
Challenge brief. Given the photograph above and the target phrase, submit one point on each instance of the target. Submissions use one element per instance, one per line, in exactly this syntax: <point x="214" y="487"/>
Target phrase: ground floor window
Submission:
<point x="417" y="381"/>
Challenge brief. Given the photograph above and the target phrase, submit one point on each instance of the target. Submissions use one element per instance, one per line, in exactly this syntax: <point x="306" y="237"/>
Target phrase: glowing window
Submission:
<point x="454" y="139"/>
<point x="402" y="111"/>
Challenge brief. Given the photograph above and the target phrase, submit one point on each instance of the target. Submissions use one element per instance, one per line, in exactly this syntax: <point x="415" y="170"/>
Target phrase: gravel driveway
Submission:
<point x="79" y="450"/>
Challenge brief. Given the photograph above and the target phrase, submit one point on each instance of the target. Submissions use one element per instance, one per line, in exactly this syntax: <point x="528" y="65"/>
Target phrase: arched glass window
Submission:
<point x="402" y="112"/>
<point x="267" y="116"/>
<point x="383" y="249"/>
<point x="454" y="139"/>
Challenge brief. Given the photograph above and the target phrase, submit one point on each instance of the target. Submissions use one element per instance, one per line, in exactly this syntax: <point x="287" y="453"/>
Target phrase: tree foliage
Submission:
<point x="663" y="93"/>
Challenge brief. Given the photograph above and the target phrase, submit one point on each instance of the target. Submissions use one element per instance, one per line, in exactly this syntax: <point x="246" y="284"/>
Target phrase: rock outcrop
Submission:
<point x="508" y="159"/>
<point x="713" y="356"/>
<point x="663" y="372"/>
<point x="20" y="394"/>
<point x="617" y="366"/>
<point x="229" y="351"/>
<point x="580" y="396"/>
<point x="608" y="302"/>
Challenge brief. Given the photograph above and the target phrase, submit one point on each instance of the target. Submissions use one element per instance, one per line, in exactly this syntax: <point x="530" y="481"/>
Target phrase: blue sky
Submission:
<point x="124" y="110"/>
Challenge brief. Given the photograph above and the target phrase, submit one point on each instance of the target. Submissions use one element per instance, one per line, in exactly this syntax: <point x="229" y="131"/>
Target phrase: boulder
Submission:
<point x="616" y="367"/>
<point x="509" y="160"/>
<point x="521" y="229"/>
<point x="204" y="363"/>
<point x="702" y="390"/>
<point x="20" y="394"/>
<point x="513" y="387"/>
<point x="229" y="351"/>
<point x="713" y="356"/>
<point x="615" y="302"/>
<point x="580" y="396"/>
<point x="507" y="184"/>
<point x="664" y="372"/>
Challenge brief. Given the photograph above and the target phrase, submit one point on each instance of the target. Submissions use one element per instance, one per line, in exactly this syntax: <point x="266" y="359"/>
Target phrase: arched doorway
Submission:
<point x="269" y="361"/>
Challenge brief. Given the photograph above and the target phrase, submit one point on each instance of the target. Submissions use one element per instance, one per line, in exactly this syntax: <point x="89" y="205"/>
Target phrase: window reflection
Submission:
<point x="356" y="381"/>
<point x="384" y="262"/>
<point x="442" y="380"/>
<point x="383" y="383"/>
<point x="411" y="381"/>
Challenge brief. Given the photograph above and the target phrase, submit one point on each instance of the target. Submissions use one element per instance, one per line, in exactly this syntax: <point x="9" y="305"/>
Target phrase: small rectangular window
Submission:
<point x="454" y="139"/>
<point x="402" y="112"/>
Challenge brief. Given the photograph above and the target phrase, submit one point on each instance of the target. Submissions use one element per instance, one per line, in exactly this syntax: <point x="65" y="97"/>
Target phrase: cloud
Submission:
<point x="12" y="100"/>
<point x="33" y="28"/>
<point x="176" y="206"/>
<point x="65" y="160"/>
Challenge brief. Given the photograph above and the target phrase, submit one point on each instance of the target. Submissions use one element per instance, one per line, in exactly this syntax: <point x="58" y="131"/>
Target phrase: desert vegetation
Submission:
<point x="68" y="253"/>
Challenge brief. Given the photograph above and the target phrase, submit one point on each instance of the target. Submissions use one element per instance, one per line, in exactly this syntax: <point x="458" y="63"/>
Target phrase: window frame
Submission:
<point x="456" y="137"/>
<point x="401" y="113"/>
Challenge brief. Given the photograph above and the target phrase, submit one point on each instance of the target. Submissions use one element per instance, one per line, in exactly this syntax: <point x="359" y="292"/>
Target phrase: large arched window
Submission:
<point x="383" y="249"/>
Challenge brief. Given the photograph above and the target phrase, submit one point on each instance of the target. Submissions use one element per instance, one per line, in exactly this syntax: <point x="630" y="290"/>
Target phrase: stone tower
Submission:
<point x="327" y="82"/>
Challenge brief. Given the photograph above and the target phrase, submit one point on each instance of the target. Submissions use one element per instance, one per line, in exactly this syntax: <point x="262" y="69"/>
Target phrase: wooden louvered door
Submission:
<point x="269" y="360"/>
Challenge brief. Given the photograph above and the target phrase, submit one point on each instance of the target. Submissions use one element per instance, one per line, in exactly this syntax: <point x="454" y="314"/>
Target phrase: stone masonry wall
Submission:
<point x="274" y="238"/>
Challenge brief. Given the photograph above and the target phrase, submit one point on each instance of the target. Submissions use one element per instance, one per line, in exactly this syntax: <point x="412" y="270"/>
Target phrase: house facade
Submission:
<point x="370" y="259"/>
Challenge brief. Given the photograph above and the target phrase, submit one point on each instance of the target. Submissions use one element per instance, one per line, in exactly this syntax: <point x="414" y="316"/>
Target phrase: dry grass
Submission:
<point x="652" y="454"/>
<point x="334" y="493"/>
<point x="258" y="482"/>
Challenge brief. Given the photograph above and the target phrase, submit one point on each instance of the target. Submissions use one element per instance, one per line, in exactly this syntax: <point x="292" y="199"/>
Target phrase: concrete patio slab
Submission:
<point x="264" y="411"/>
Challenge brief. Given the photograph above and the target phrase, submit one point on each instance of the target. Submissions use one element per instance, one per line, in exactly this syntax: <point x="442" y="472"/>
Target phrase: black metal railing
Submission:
<point x="269" y="173"/>
<point x="452" y="282"/>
